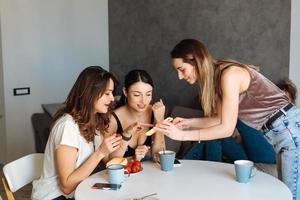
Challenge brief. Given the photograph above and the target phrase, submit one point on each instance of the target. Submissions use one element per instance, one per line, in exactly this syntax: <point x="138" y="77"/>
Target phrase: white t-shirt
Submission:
<point x="64" y="132"/>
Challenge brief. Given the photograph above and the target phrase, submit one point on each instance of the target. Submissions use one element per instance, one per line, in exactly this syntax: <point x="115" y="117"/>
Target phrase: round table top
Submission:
<point x="192" y="180"/>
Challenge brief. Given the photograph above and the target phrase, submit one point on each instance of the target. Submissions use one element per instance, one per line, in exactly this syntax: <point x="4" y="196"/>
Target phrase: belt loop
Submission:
<point x="283" y="111"/>
<point x="264" y="128"/>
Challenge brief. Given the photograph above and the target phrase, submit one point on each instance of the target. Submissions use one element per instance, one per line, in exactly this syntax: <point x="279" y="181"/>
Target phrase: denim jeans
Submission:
<point x="215" y="149"/>
<point x="255" y="147"/>
<point x="258" y="149"/>
<point x="285" y="137"/>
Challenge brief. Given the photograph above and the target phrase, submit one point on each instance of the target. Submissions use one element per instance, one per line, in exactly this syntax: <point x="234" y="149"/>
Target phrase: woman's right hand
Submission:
<point x="182" y="123"/>
<point x="137" y="127"/>
<point x="110" y="144"/>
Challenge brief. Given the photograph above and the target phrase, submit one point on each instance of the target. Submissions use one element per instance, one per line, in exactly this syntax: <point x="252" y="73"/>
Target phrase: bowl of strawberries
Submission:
<point x="133" y="166"/>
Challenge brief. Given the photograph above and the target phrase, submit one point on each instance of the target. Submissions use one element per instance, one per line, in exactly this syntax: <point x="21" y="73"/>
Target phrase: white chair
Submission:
<point x="21" y="172"/>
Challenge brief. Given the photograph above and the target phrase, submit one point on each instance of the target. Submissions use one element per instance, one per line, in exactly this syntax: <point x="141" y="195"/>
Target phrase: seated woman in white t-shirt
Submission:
<point x="76" y="144"/>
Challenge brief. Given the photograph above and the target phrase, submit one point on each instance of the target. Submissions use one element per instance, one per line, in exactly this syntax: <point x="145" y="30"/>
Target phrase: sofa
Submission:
<point x="41" y="123"/>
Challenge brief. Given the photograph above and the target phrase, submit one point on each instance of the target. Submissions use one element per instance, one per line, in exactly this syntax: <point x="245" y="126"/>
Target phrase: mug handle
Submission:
<point x="126" y="176"/>
<point x="253" y="172"/>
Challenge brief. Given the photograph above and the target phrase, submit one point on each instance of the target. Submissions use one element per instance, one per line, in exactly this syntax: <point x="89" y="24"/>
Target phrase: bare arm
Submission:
<point x="232" y="82"/>
<point x="65" y="159"/>
<point x="158" y="138"/>
<point x="204" y="122"/>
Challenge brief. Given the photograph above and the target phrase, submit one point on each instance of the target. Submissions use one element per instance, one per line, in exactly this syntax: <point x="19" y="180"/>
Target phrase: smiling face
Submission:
<point x="139" y="96"/>
<point x="103" y="102"/>
<point x="185" y="71"/>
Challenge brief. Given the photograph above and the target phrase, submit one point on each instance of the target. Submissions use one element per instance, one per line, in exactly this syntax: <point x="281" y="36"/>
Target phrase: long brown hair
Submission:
<point x="207" y="70"/>
<point x="89" y="86"/>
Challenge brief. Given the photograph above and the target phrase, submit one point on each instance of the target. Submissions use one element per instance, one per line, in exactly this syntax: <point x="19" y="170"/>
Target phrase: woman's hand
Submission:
<point x="159" y="111"/>
<point x="137" y="128"/>
<point x="141" y="151"/>
<point x="110" y="144"/>
<point x="182" y="123"/>
<point x="170" y="130"/>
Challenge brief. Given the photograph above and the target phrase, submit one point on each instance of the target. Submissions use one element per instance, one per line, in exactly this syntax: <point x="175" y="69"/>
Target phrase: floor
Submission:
<point x="22" y="194"/>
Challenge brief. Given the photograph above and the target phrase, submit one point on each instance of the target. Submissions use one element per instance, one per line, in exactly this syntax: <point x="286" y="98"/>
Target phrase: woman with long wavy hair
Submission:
<point x="76" y="143"/>
<point x="230" y="90"/>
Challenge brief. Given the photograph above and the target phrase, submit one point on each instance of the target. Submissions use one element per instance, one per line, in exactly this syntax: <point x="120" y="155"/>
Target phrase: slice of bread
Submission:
<point x="118" y="160"/>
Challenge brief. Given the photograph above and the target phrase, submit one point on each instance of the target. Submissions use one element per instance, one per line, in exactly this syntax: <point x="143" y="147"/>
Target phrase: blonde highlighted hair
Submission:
<point x="207" y="70"/>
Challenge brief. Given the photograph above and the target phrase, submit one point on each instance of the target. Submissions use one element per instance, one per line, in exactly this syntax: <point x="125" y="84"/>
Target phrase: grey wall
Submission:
<point x="142" y="33"/>
<point x="45" y="45"/>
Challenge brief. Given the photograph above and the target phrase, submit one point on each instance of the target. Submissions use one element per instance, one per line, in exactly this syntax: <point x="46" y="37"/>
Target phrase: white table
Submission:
<point x="192" y="180"/>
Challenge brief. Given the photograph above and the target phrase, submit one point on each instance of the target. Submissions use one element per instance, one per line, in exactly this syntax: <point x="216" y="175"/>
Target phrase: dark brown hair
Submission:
<point x="132" y="77"/>
<point x="89" y="86"/>
<point x="289" y="87"/>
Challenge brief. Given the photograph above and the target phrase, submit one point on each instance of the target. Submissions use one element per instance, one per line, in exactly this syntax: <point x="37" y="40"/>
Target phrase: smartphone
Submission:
<point x="106" y="186"/>
<point x="177" y="163"/>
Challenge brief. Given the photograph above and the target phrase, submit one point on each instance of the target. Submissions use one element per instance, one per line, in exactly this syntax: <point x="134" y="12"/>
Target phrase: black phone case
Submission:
<point x="106" y="186"/>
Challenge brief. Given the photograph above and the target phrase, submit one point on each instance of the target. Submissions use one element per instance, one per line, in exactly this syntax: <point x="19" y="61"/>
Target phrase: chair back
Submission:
<point x="23" y="170"/>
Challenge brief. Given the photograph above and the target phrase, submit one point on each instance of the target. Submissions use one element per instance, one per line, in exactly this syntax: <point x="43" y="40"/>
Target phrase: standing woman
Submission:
<point x="76" y="144"/>
<point x="134" y="106"/>
<point x="230" y="90"/>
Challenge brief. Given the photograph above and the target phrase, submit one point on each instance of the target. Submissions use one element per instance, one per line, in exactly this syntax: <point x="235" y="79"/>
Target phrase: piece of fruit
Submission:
<point x="133" y="166"/>
<point x="152" y="131"/>
<point x="134" y="169"/>
<point x="137" y="163"/>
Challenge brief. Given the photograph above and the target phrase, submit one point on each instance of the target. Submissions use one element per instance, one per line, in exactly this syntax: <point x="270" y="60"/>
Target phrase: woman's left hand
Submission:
<point x="140" y="152"/>
<point x="159" y="110"/>
<point x="170" y="130"/>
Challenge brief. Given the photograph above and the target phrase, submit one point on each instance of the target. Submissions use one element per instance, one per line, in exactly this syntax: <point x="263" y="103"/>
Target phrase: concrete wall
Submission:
<point x="45" y="45"/>
<point x="142" y="33"/>
<point x="295" y="46"/>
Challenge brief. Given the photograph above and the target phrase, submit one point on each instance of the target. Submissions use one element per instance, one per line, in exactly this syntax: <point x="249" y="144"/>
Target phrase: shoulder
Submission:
<point x="113" y="121"/>
<point x="234" y="73"/>
<point x="120" y="113"/>
<point x="235" y="78"/>
<point x="65" y="121"/>
<point x="65" y="131"/>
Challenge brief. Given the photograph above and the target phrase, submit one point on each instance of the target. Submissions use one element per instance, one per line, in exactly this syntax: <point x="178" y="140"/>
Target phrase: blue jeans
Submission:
<point x="258" y="149"/>
<point x="255" y="147"/>
<point x="215" y="149"/>
<point x="285" y="137"/>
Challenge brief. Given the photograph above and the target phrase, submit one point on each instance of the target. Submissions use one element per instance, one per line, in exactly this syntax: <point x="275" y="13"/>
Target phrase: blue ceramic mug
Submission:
<point x="166" y="159"/>
<point x="244" y="170"/>
<point x="116" y="174"/>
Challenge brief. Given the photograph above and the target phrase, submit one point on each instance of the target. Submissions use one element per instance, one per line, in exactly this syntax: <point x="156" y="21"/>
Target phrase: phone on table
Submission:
<point x="177" y="163"/>
<point x="106" y="186"/>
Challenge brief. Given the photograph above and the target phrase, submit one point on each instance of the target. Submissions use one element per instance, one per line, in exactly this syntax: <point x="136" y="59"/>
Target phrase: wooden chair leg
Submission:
<point x="9" y="194"/>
